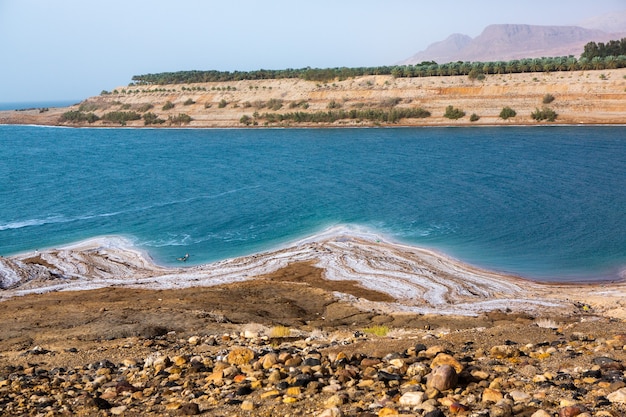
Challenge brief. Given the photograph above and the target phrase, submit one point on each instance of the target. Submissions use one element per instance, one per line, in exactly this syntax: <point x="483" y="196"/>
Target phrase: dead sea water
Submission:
<point x="547" y="203"/>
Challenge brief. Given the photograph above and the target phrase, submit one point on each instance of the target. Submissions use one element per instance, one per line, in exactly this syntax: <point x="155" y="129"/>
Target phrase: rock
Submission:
<point x="334" y="401"/>
<point x="387" y="411"/>
<point x="331" y="412"/>
<point x="445" y="359"/>
<point x="571" y="411"/>
<point x="520" y="396"/>
<point x="412" y="398"/>
<point x="541" y="413"/>
<point x="435" y="413"/>
<point x="442" y="378"/>
<point x="269" y="360"/>
<point x="119" y="410"/>
<point x="189" y="409"/>
<point x="504" y="351"/>
<point x="501" y="409"/>
<point x="618" y="396"/>
<point x="240" y="356"/>
<point x="193" y="340"/>
<point x="247" y="405"/>
<point x="102" y="404"/>
<point x="492" y="395"/>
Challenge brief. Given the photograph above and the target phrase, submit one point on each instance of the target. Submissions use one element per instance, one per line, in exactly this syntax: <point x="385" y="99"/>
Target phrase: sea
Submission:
<point x="545" y="203"/>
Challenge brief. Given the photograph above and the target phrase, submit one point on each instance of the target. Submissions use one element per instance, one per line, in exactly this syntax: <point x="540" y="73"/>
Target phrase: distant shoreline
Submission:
<point x="595" y="97"/>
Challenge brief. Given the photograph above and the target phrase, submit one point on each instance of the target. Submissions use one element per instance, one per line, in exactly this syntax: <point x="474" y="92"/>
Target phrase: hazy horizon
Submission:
<point x="69" y="49"/>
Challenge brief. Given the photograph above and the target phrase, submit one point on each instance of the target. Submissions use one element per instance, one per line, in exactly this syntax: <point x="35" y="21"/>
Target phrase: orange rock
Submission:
<point x="445" y="359"/>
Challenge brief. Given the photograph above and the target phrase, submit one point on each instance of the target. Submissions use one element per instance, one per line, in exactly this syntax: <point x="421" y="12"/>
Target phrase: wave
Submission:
<point x="31" y="222"/>
<point x="19" y="224"/>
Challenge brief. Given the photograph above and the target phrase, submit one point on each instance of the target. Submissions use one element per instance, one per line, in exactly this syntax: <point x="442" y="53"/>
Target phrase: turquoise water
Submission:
<point x="547" y="203"/>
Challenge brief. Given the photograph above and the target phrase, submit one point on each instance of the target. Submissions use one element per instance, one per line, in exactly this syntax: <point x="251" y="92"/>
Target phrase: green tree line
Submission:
<point x="595" y="57"/>
<point x="611" y="48"/>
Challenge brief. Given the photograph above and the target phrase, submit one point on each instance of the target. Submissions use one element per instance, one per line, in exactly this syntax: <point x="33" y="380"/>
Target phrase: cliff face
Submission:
<point x="579" y="97"/>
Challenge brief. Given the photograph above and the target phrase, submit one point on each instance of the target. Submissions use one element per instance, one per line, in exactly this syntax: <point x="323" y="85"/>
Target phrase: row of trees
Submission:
<point x="596" y="56"/>
<point x="611" y="48"/>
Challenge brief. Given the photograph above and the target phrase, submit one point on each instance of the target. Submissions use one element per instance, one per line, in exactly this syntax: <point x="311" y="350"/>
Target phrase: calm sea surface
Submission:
<point x="547" y="203"/>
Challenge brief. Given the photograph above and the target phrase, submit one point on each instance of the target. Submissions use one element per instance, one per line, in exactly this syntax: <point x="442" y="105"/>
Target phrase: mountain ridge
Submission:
<point x="505" y="42"/>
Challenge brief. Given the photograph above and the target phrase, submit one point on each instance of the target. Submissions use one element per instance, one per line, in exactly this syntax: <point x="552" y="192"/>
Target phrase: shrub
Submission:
<point x="75" y="116"/>
<point x="168" y="105"/>
<point x="377" y="330"/>
<point x="145" y="107"/>
<point x="274" y="104"/>
<point x="453" y="113"/>
<point x="223" y="103"/>
<point x="474" y="117"/>
<point x="279" y="331"/>
<point x="246" y="120"/>
<point x="507" y="112"/>
<point x="548" y="98"/>
<point x="188" y="102"/>
<point x="125" y="106"/>
<point x="333" y="105"/>
<point x="86" y="107"/>
<point x="121" y="117"/>
<point x="182" y="118"/>
<point x="544" y="114"/>
<point x="151" y="119"/>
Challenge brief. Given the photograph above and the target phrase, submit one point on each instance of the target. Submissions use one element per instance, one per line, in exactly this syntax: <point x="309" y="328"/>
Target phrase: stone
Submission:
<point x="240" y="356"/>
<point x="412" y="398"/>
<point x="435" y="413"/>
<point x="189" y="409"/>
<point x="504" y="351"/>
<point x="117" y="411"/>
<point x="501" y="409"/>
<point x="387" y="411"/>
<point x="571" y="411"/>
<point x="269" y="360"/>
<point x="541" y="413"/>
<point x="445" y="359"/>
<point x="334" y="401"/>
<point x="193" y="340"/>
<point x="618" y="396"/>
<point x="520" y="396"/>
<point x="331" y="412"/>
<point x="442" y="378"/>
<point x="492" y="395"/>
<point x="247" y="405"/>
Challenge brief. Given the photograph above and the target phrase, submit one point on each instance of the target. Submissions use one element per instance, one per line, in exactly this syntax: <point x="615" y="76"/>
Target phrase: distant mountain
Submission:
<point x="611" y="22"/>
<point x="507" y="42"/>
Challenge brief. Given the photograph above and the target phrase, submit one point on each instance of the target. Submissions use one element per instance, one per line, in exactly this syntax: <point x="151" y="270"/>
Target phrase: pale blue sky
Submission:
<point x="72" y="49"/>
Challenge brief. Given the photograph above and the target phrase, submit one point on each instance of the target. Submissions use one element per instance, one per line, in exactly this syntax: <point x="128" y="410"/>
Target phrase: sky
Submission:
<point x="73" y="49"/>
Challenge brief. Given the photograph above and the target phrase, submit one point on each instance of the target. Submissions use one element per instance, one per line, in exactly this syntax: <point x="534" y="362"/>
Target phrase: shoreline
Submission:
<point x="591" y="97"/>
<point x="420" y="281"/>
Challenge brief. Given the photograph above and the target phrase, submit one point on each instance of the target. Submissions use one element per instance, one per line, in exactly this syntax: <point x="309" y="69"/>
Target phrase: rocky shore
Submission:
<point x="96" y="329"/>
<point x="516" y="366"/>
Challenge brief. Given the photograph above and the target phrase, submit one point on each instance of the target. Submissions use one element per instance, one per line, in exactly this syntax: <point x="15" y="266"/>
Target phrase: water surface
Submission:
<point x="543" y="202"/>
